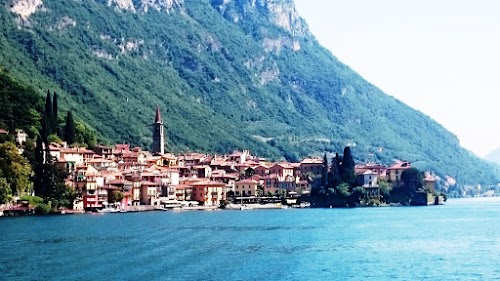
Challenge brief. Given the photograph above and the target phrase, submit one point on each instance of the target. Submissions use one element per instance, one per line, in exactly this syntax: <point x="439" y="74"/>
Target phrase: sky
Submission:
<point x="441" y="57"/>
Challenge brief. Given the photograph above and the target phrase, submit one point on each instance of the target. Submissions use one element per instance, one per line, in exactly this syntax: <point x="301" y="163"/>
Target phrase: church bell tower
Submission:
<point x="158" y="146"/>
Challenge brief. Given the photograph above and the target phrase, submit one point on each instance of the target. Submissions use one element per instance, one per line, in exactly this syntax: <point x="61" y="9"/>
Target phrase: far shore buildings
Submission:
<point x="122" y="175"/>
<point x="155" y="177"/>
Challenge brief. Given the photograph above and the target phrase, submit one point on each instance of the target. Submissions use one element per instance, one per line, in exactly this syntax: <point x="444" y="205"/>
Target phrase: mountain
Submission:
<point x="493" y="156"/>
<point x="227" y="74"/>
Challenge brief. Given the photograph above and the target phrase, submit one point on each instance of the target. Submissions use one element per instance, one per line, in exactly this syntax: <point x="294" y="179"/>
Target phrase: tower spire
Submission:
<point x="158" y="145"/>
<point x="158" y="115"/>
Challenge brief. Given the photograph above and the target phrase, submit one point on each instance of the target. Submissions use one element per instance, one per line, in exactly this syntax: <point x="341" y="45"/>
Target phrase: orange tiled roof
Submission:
<point x="149" y="183"/>
<point x="312" y="161"/>
<point x="247" y="181"/>
<point x="120" y="182"/>
<point x="400" y="165"/>
<point x="208" y="183"/>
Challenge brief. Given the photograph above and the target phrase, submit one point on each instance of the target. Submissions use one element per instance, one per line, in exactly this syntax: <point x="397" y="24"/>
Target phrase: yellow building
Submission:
<point x="247" y="187"/>
<point x="209" y="193"/>
<point x="394" y="173"/>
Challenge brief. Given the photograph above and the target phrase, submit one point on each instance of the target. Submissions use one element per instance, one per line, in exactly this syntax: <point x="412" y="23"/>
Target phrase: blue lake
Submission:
<point x="457" y="241"/>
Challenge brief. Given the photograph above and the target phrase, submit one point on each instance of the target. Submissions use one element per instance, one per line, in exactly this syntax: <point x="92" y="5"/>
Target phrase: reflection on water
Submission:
<point x="456" y="241"/>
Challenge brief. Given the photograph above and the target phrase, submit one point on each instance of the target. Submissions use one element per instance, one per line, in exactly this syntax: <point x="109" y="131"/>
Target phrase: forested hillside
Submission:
<point x="226" y="75"/>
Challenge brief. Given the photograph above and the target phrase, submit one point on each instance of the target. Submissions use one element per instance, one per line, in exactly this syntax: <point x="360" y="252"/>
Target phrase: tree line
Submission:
<point x="340" y="185"/>
<point x="34" y="172"/>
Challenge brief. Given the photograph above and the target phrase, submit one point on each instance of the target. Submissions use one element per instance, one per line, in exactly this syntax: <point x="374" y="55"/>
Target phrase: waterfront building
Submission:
<point x="394" y="173"/>
<point x="246" y="187"/>
<point x="209" y="193"/>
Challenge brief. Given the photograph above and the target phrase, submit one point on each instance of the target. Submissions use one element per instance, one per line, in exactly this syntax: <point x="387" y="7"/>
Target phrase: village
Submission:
<point x="154" y="179"/>
<point x="122" y="178"/>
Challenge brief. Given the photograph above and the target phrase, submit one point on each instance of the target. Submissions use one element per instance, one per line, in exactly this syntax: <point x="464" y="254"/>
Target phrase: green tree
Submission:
<point x="38" y="168"/>
<point x="358" y="193"/>
<point x="55" y="120"/>
<point x="84" y="135"/>
<point x="413" y="179"/>
<point x="49" y="114"/>
<point x="334" y="176"/>
<point x="385" y="190"/>
<point x="44" y="132"/>
<point x="324" y="173"/>
<point x="43" y="208"/>
<point x="15" y="168"/>
<point x="32" y="200"/>
<point x="115" y="196"/>
<point x="346" y="169"/>
<point x="5" y="191"/>
<point x="339" y="195"/>
<point x="260" y="190"/>
<point x="48" y="179"/>
<point x="338" y="159"/>
<point x="54" y="138"/>
<point x="69" y="129"/>
<point x="342" y="190"/>
<point x="20" y="105"/>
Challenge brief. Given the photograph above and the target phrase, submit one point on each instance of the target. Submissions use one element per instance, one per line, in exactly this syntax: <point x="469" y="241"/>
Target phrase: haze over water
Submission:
<point x="457" y="241"/>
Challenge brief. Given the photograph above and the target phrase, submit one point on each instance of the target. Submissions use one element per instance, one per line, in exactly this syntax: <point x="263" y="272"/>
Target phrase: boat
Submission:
<point x="108" y="210"/>
<point x="245" y="207"/>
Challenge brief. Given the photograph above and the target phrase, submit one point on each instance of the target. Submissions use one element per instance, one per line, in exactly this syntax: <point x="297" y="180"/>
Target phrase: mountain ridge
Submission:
<point x="227" y="75"/>
<point x="493" y="156"/>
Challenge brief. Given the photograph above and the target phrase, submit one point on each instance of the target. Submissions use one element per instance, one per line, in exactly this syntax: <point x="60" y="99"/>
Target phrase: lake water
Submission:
<point x="457" y="241"/>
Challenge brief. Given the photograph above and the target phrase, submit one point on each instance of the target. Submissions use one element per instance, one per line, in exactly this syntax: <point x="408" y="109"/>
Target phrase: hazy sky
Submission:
<point x="441" y="57"/>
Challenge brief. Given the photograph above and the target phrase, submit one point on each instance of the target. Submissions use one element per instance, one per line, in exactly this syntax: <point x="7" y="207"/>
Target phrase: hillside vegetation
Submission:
<point x="226" y="75"/>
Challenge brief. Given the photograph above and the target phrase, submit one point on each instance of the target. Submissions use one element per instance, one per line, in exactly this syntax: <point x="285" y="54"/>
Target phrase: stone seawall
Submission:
<point x="141" y="208"/>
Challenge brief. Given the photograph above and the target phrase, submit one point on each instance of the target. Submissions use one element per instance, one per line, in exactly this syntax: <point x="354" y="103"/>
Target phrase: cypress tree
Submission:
<point x="44" y="133"/>
<point x="338" y="159"/>
<point x="69" y="129"/>
<point x="347" y="168"/>
<point x="38" y="168"/>
<point x="49" y="113"/>
<point x="333" y="176"/>
<point x="324" y="172"/>
<point x="55" y="121"/>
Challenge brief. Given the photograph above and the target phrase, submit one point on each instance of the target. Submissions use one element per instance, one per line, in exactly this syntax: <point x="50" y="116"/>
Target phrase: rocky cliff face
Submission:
<point x="278" y="13"/>
<point x="122" y="4"/>
<point x="146" y="5"/>
<point x="282" y="13"/>
<point x="25" y="8"/>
